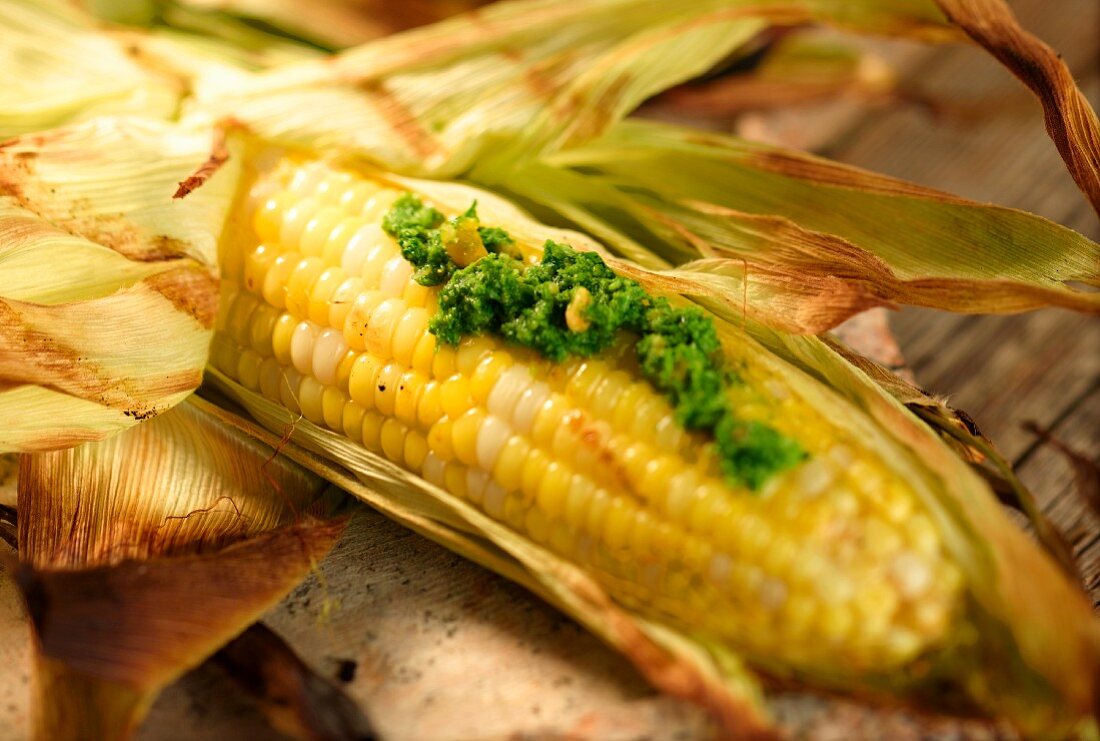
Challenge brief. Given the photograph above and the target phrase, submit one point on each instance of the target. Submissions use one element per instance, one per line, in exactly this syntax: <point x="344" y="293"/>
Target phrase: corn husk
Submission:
<point x="1038" y="653"/>
<point x="796" y="69"/>
<point x="141" y="555"/>
<point x="536" y="90"/>
<point x="82" y="342"/>
<point x="818" y="242"/>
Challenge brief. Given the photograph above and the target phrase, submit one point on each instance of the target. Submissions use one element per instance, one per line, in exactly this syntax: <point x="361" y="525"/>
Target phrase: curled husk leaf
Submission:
<point x="142" y="554"/>
<point x="795" y="241"/>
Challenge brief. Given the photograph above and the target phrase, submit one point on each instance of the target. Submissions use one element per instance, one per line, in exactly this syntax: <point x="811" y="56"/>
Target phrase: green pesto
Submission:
<point x="679" y="351"/>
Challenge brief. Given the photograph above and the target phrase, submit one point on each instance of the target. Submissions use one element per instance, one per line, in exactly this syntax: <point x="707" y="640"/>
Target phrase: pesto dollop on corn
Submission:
<point x="572" y="304"/>
<point x="538" y="409"/>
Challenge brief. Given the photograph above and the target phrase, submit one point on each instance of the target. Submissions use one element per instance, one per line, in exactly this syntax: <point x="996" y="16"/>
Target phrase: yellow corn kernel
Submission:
<point x="509" y="466"/>
<point x="385" y="398"/>
<point x="248" y="369"/>
<point x="344" y="368"/>
<point x="486" y="375"/>
<point x="534" y="470"/>
<point x="455" y="396"/>
<point x="441" y="439"/>
<point x="271" y="374"/>
<point x="429" y="407"/>
<point x="282" y="336"/>
<point x="257" y="265"/>
<point x="550" y="418"/>
<point x="419" y="296"/>
<point x="424" y="354"/>
<point x="375" y="261"/>
<point x="322" y="292"/>
<point x="362" y="383"/>
<point x="240" y="316"/>
<point x="393" y="439"/>
<point x="268" y="219"/>
<point x="454" y="475"/>
<point x="310" y="393"/>
<point x="409" y="388"/>
<point x="317" y="230"/>
<point x="416" y="450"/>
<point x="352" y="421"/>
<point x="295" y="219"/>
<point x="358" y="319"/>
<point x="262" y="330"/>
<point x="410" y="330"/>
<point x="382" y="325"/>
<point x="471" y="351"/>
<point x="343" y="300"/>
<point x="274" y="285"/>
<point x="372" y="431"/>
<point x="333" y="402"/>
<point x="299" y="285"/>
<point x="553" y="489"/>
<point x="443" y="363"/>
<point x="465" y="435"/>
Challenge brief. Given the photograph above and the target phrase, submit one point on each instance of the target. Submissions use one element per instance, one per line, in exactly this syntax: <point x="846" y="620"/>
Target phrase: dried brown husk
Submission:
<point x="142" y="554"/>
<point x="1070" y="120"/>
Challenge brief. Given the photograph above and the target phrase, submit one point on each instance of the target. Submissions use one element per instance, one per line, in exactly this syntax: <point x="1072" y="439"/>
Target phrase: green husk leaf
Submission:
<point x="797" y="69"/>
<point x="58" y="68"/>
<point x="142" y="554"/>
<point x="84" y="344"/>
<point x="818" y="241"/>
<point x="516" y="79"/>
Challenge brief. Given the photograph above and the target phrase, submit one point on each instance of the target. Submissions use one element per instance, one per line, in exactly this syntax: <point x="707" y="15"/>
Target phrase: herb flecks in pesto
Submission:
<point x="573" y="304"/>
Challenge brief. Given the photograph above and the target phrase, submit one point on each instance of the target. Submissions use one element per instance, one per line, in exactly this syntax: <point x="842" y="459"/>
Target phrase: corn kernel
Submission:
<point x="362" y="384"/>
<point x="465" y="436"/>
<point x="333" y="402"/>
<point x="372" y="431"/>
<point x="322" y="292"/>
<point x="553" y="490"/>
<point x="508" y="471"/>
<point x="411" y="327"/>
<point x="487" y="373"/>
<point x="310" y="394"/>
<point x="381" y="326"/>
<point x="387" y="383"/>
<point x="281" y="337"/>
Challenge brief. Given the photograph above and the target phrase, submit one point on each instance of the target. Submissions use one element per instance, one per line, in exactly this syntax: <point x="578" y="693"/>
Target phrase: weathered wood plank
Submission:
<point x="1003" y="370"/>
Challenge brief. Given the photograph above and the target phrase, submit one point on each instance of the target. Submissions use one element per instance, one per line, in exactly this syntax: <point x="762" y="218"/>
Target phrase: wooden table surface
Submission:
<point x="432" y="646"/>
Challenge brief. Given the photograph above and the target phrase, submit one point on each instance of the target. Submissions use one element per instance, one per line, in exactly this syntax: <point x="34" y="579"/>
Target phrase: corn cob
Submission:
<point x="833" y="563"/>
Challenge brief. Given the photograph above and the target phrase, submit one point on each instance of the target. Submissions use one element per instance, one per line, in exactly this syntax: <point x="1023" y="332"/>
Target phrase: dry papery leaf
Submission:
<point x="1070" y="120"/>
<point x="142" y="554"/>
<point x="795" y="241"/>
<point x="117" y="329"/>
<point x="792" y="68"/>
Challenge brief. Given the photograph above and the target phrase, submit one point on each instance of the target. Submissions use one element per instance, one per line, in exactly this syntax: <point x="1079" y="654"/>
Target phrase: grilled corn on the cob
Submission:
<point x="832" y="563"/>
